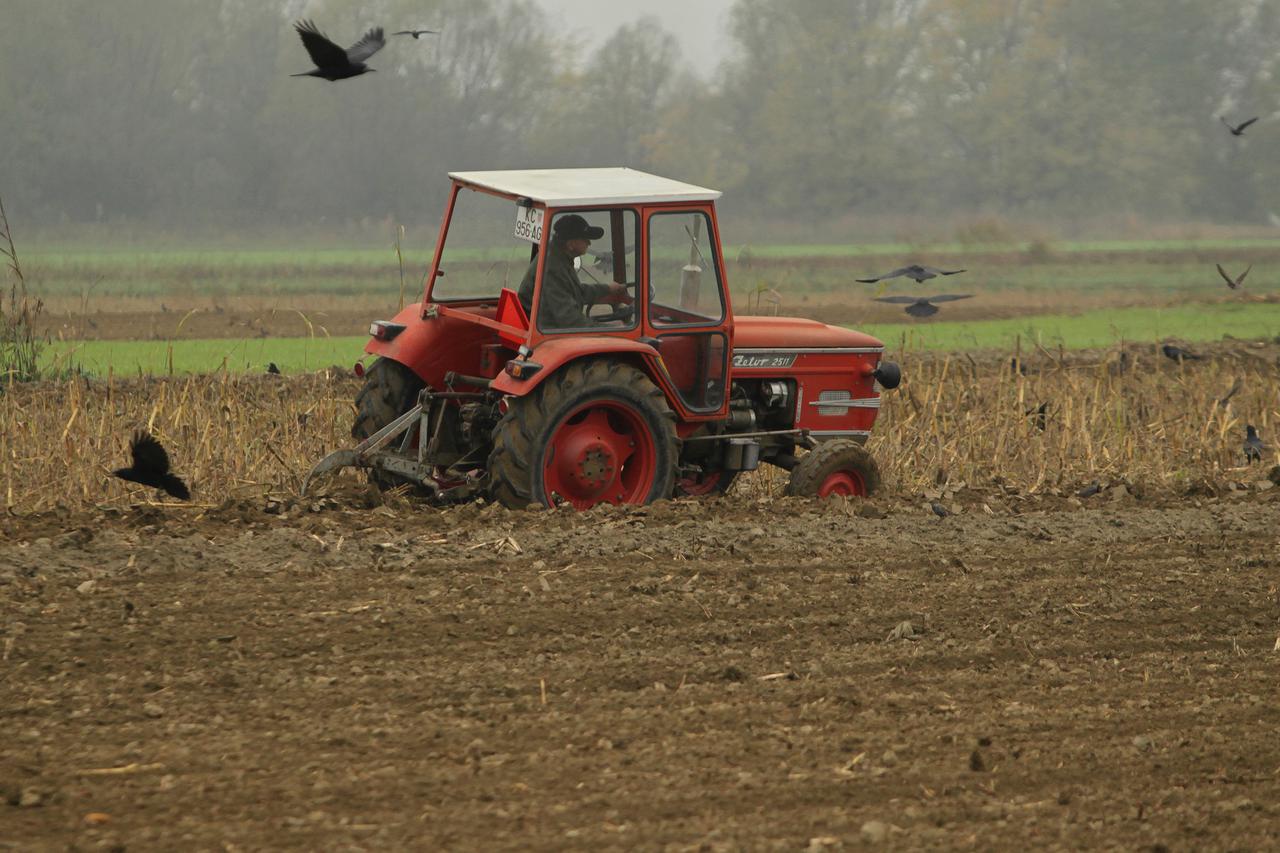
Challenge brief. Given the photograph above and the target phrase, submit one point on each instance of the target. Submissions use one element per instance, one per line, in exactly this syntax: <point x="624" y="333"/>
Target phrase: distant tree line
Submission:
<point x="183" y="111"/>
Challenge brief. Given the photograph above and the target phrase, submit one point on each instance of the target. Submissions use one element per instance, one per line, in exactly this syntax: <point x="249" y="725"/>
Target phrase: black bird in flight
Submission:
<point x="922" y="306"/>
<point x="151" y="467"/>
<point x="1238" y="130"/>
<point x="1253" y="445"/>
<point x="1232" y="283"/>
<point x="604" y="261"/>
<point x="332" y="62"/>
<point x="1179" y="354"/>
<point x="915" y="272"/>
<point x="415" y="33"/>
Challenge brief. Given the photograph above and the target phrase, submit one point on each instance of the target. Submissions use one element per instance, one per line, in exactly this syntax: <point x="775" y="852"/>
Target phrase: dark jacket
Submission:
<point x="563" y="295"/>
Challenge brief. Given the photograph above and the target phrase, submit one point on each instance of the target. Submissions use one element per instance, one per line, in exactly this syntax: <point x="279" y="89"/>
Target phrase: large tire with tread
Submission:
<point x="837" y="467"/>
<point x="390" y="389"/>
<point x="599" y="431"/>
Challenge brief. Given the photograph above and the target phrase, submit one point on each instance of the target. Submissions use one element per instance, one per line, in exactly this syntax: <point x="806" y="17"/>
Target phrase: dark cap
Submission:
<point x="574" y="227"/>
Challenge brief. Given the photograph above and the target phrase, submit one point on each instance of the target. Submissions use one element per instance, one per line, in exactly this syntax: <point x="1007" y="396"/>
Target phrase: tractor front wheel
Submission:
<point x="837" y="467"/>
<point x="597" y="432"/>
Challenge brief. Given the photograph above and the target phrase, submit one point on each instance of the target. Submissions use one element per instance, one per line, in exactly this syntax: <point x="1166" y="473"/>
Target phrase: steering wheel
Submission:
<point x="620" y="314"/>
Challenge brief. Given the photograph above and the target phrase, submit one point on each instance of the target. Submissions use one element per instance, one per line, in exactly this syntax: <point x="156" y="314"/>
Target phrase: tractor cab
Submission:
<point x="575" y="343"/>
<point x="500" y="263"/>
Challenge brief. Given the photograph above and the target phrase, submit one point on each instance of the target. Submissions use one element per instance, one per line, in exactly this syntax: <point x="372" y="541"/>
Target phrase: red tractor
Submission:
<point x="575" y="344"/>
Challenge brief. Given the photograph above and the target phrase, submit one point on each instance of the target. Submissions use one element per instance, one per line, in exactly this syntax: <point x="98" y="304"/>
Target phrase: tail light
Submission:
<point x="385" y="330"/>
<point x="521" y="368"/>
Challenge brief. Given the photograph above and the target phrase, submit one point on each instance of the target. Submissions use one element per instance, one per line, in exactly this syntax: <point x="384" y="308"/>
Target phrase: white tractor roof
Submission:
<point x="582" y="187"/>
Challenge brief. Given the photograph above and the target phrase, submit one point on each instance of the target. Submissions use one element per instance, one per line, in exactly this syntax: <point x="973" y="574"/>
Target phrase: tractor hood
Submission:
<point x="795" y="333"/>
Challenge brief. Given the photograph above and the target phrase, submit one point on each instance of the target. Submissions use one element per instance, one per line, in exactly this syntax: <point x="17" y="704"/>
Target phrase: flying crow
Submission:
<point x="1239" y="129"/>
<point x="1179" y="354"/>
<point x="151" y="467"/>
<point x="604" y="261"/>
<point x="915" y="272"/>
<point x="415" y="33"/>
<point x="1253" y="445"/>
<point x="332" y="62"/>
<point x="922" y="306"/>
<point x="1232" y="283"/>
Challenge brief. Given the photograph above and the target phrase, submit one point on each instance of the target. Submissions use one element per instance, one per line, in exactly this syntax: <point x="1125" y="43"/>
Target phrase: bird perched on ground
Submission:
<point x="1179" y="354"/>
<point x="332" y="62"/>
<point x="1237" y="130"/>
<point x="1232" y="283"/>
<point x="915" y="272"/>
<point x="1089" y="490"/>
<point x="1253" y="445"/>
<point x="151" y="467"/>
<point x="415" y="33"/>
<point x="1039" y="415"/>
<point x="922" y="306"/>
<point x="939" y="510"/>
<point x="272" y="369"/>
<point x="1225" y="401"/>
<point x="1120" y="365"/>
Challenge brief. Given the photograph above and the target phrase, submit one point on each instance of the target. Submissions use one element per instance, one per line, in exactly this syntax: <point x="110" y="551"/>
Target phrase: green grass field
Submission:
<point x="1162" y="266"/>
<point x="1094" y="329"/>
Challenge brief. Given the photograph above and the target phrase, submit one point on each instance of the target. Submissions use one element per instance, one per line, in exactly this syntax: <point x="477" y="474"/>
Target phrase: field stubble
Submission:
<point x="758" y="672"/>
<point x="1126" y="416"/>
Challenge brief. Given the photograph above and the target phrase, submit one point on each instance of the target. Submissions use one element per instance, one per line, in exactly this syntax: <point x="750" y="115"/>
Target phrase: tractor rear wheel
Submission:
<point x="390" y="389"/>
<point x="837" y="467"/>
<point x="597" y="432"/>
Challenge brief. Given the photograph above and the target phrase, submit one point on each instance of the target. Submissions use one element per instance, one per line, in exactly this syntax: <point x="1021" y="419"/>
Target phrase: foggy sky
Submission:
<point x="698" y="24"/>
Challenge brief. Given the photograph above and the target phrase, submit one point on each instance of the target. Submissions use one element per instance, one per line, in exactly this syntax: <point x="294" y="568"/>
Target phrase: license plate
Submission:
<point x="529" y="223"/>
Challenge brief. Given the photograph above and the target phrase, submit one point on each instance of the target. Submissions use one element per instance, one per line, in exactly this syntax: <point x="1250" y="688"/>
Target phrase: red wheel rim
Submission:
<point x="702" y="484"/>
<point x="846" y="484"/>
<point x="601" y="452"/>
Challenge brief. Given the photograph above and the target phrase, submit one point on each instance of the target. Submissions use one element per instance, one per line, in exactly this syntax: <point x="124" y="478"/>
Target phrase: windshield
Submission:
<point x="481" y="253"/>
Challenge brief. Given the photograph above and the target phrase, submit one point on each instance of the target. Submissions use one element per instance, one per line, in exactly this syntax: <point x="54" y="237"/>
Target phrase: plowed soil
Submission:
<point x="689" y="676"/>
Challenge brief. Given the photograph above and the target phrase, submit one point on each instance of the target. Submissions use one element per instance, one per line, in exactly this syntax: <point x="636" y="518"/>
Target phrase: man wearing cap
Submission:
<point x="563" y="296"/>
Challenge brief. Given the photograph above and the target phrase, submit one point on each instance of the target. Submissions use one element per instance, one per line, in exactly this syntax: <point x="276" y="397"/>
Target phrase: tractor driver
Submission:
<point x="563" y="296"/>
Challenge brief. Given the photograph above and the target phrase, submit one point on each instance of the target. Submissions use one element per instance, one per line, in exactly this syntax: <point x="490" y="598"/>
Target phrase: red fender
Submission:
<point x="554" y="353"/>
<point x="421" y="346"/>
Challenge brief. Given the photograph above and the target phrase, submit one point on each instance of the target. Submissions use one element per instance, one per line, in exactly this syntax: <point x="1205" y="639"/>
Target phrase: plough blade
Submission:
<point x="359" y="455"/>
<point x="332" y="462"/>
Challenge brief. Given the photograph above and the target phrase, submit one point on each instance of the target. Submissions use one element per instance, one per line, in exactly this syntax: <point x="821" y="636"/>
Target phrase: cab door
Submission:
<point x="685" y="305"/>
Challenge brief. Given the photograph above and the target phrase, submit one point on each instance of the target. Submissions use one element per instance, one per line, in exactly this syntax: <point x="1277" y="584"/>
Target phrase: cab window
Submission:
<point x="684" y="279"/>
<point x="572" y="296"/>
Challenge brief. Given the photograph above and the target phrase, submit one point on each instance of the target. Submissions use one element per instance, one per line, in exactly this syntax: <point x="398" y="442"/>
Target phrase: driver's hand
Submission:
<point x="618" y="294"/>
